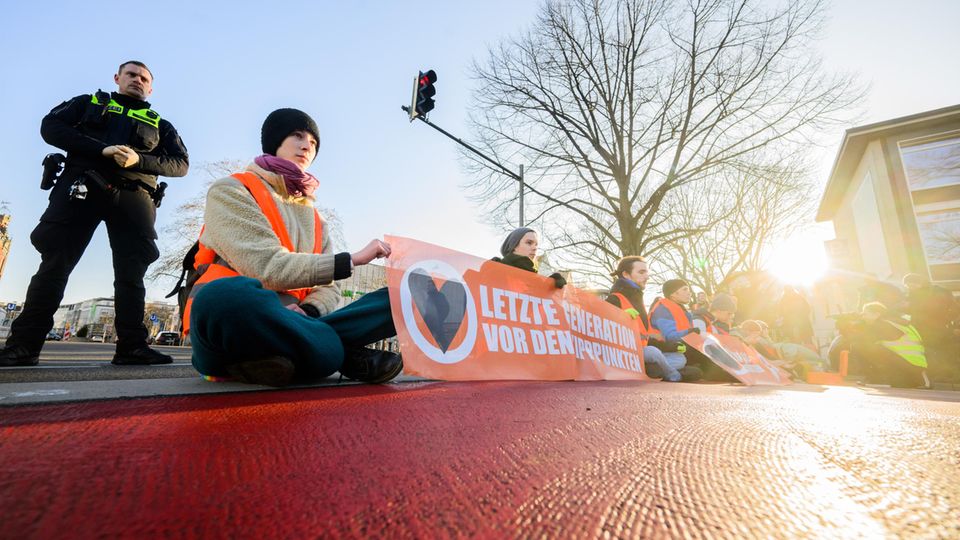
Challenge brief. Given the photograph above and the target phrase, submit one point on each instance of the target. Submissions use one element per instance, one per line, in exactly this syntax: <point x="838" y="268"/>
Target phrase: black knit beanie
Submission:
<point x="673" y="285"/>
<point x="280" y="124"/>
<point x="513" y="240"/>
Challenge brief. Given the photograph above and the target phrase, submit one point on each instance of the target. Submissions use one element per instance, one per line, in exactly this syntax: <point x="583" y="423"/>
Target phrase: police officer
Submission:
<point x="116" y="147"/>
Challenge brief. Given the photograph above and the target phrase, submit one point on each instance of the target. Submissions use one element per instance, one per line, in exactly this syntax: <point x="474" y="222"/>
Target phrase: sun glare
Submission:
<point x="799" y="260"/>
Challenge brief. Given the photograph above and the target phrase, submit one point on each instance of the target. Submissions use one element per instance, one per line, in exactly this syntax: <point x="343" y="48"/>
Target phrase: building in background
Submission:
<point x="4" y="241"/>
<point x="366" y="278"/>
<point x="96" y="314"/>
<point x="893" y="197"/>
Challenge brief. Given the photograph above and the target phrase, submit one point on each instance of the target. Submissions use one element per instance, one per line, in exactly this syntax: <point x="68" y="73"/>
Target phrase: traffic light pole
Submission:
<point x="508" y="172"/>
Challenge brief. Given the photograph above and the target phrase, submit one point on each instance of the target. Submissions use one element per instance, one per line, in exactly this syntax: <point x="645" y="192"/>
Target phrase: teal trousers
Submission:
<point x="235" y="319"/>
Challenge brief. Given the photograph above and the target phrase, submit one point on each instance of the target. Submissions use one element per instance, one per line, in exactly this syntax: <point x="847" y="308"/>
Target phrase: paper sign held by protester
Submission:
<point x="738" y="359"/>
<point x="460" y="318"/>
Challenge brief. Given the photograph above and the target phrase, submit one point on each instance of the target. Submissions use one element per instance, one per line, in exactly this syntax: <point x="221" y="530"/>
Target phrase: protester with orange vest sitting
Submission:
<point x="673" y="321"/>
<point x="263" y="310"/>
<point x="627" y="294"/>
<point x="717" y="318"/>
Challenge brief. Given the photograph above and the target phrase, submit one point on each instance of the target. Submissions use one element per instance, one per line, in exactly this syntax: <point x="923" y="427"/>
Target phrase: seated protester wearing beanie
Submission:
<point x="793" y="358"/>
<point x="263" y="310"/>
<point x="627" y="294"/>
<point x="519" y="250"/>
<point x="673" y="321"/>
<point x="889" y="350"/>
<point x="752" y="333"/>
<point x="719" y="316"/>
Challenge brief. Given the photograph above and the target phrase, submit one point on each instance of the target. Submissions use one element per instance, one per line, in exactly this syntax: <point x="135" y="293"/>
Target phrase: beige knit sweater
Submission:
<point x="235" y="227"/>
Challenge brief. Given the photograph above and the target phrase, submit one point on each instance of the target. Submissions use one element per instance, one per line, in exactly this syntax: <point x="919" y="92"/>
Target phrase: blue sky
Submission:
<point x="221" y="67"/>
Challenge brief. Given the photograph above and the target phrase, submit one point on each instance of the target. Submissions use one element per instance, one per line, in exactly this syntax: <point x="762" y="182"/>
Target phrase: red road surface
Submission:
<point x="485" y="460"/>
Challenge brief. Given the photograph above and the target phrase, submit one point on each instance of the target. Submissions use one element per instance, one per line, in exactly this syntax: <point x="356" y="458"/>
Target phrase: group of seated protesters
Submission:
<point x="886" y="348"/>
<point x="263" y="304"/>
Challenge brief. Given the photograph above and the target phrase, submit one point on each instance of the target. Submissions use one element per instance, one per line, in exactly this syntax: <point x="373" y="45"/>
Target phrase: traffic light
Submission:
<point x="423" y="100"/>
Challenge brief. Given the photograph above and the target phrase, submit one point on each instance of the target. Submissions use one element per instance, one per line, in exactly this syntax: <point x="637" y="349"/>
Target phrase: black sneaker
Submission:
<point x="18" y="355"/>
<point x="270" y="371"/>
<point x="144" y="356"/>
<point x="690" y="374"/>
<point x="370" y="365"/>
<point x="654" y="371"/>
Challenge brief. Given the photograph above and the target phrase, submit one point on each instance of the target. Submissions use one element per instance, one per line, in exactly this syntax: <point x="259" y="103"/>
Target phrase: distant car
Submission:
<point x="98" y="339"/>
<point x="53" y="335"/>
<point x="167" y="338"/>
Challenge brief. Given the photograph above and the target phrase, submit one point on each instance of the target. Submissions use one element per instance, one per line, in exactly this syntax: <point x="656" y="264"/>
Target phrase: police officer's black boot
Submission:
<point x="142" y="356"/>
<point x="18" y="355"/>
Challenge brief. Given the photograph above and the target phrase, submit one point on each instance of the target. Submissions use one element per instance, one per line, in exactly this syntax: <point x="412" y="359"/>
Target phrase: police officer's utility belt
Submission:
<point x="55" y="164"/>
<point x="156" y="193"/>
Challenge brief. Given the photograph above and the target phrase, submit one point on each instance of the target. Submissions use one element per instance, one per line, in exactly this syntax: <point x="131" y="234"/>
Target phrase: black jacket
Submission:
<point x="635" y="296"/>
<point x="83" y="130"/>
<point x="526" y="263"/>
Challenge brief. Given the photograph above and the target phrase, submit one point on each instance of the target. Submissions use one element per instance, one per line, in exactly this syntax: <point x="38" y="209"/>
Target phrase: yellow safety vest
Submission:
<point x="147" y="116"/>
<point x="909" y="346"/>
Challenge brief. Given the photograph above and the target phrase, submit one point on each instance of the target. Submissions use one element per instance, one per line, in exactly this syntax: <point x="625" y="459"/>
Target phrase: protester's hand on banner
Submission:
<point x="632" y="313"/>
<point x="376" y="249"/>
<point x="558" y="281"/>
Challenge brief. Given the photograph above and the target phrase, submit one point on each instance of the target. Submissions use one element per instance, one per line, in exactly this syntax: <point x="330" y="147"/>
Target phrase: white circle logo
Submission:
<point x="442" y="309"/>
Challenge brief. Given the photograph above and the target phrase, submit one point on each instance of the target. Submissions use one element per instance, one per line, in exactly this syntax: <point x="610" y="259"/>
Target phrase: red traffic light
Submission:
<point x="423" y="101"/>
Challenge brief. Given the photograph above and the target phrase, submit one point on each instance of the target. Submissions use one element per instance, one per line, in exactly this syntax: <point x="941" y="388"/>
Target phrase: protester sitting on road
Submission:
<point x="673" y="321"/>
<point x="718" y="317"/>
<point x="519" y="250"/>
<point x="888" y="349"/>
<point x="792" y="357"/>
<point x="627" y="294"/>
<point x="264" y="308"/>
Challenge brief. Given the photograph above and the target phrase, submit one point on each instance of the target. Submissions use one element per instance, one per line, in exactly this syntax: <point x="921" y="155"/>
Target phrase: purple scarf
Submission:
<point x="299" y="183"/>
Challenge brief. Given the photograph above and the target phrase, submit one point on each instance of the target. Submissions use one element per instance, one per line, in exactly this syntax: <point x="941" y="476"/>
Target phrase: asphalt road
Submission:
<point x="489" y="460"/>
<point x="84" y="361"/>
<point x="73" y="353"/>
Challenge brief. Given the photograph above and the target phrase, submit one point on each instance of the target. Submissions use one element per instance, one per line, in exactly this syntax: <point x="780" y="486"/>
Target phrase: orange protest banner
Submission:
<point x="738" y="359"/>
<point x="460" y="318"/>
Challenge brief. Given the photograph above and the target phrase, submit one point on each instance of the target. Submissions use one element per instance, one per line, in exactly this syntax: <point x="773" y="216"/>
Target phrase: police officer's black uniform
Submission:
<point x="84" y="126"/>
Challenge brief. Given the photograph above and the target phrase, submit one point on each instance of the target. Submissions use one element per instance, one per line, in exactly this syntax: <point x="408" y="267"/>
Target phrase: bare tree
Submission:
<point x="179" y="236"/>
<point x="614" y="105"/>
<point x="752" y="210"/>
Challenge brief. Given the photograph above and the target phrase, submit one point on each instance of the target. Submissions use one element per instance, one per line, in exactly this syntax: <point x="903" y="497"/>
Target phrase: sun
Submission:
<point x="799" y="260"/>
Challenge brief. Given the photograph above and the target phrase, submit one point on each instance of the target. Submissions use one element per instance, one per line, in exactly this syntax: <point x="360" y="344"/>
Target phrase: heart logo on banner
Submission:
<point x="441" y="308"/>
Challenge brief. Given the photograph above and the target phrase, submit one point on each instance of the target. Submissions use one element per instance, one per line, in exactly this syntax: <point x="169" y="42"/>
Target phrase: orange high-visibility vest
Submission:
<point x="677" y="312"/>
<point x="714" y="329"/>
<point x="210" y="266"/>
<point x="646" y="332"/>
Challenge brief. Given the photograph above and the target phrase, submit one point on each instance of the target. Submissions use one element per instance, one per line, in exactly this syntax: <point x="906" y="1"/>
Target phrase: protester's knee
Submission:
<point x="228" y="298"/>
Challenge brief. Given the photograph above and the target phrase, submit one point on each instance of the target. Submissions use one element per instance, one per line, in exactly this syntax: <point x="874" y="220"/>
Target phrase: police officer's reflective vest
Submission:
<point x="210" y="266"/>
<point x="909" y="346"/>
<point x="147" y="116"/>
<point x="646" y="332"/>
